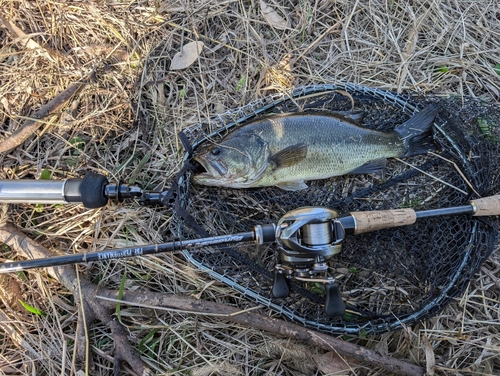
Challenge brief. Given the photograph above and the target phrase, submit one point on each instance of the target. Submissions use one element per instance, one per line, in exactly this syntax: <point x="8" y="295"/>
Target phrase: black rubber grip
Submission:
<point x="92" y="190"/>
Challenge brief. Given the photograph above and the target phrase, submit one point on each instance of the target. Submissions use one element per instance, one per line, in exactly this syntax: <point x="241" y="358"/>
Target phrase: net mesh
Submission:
<point x="388" y="278"/>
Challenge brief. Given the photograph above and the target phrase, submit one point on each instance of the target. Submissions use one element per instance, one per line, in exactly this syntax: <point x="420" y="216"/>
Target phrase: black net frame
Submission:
<point x="388" y="278"/>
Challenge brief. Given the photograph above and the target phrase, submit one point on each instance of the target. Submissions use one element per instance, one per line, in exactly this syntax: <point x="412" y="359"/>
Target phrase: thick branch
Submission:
<point x="358" y="354"/>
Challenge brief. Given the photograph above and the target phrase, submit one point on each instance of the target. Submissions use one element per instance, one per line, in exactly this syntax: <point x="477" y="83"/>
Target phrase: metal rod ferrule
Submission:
<point x="32" y="191"/>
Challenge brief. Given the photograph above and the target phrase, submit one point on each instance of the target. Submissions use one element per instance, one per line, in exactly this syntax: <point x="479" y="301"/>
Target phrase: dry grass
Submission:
<point x="124" y="124"/>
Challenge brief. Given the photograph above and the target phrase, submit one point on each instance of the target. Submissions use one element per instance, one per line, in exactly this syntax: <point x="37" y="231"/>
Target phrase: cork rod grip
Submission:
<point x="371" y="221"/>
<point x="486" y="206"/>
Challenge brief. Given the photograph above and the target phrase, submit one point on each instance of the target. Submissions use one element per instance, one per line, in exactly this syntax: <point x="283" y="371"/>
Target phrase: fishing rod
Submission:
<point x="306" y="237"/>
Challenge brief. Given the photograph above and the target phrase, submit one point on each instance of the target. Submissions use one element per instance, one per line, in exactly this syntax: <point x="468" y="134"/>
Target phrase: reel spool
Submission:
<point x="308" y="237"/>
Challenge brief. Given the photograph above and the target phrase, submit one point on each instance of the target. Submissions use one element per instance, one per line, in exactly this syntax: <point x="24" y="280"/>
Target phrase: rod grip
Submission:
<point x="92" y="190"/>
<point x="367" y="221"/>
<point x="486" y="206"/>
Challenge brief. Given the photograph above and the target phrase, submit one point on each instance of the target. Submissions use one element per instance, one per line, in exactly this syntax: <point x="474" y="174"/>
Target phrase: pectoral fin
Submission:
<point x="289" y="156"/>
<point x="293" y="185"/>
<point x="370" y="167"/>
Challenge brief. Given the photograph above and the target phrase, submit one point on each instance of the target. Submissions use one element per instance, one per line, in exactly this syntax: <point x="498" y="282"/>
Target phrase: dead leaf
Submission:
<point x="186" y="56"/>
<point x="10" y="291"/>
<point x="6" y="52"/>
<point x="25" y="39"/>
<point x="6" y="105"/>
<point x="272" y="17"/>
<point x="198" y="296"/>
<point x="429" y="356"/>
<point x="330" y="362"/>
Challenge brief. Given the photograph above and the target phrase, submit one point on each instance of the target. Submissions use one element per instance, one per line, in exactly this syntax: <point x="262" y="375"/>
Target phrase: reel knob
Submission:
<point x="280" y="287"/>
<point x="334" y="305"/>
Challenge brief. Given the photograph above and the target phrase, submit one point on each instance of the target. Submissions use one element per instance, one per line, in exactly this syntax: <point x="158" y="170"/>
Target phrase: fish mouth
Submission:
<point x="211" y="168"/>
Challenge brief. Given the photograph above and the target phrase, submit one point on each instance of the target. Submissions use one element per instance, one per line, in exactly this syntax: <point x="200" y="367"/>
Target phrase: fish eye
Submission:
<point x="216" y="150"/>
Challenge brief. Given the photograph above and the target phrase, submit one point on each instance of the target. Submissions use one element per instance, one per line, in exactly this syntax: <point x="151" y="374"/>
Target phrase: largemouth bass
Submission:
<point x="287" y="150"/>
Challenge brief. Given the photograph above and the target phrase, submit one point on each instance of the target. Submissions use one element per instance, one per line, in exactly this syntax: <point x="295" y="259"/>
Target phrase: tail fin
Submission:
<point x="416" y="131"/>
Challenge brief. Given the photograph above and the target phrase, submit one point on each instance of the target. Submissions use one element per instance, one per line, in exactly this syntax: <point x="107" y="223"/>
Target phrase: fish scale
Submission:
<point x="335" y="147"/>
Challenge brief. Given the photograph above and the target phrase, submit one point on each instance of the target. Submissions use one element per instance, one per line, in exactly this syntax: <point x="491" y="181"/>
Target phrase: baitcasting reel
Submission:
<point x="308" y="237"/>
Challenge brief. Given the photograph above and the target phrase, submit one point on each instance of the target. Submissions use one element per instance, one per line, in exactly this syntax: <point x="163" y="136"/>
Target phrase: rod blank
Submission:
<point x="16" y="266"/>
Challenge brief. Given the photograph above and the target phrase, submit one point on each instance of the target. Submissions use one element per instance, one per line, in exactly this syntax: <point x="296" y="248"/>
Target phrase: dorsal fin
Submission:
<point x="354" y="117"/>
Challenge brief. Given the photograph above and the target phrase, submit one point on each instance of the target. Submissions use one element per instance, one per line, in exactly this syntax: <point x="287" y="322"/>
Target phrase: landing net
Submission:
<point x="387" y="278"/>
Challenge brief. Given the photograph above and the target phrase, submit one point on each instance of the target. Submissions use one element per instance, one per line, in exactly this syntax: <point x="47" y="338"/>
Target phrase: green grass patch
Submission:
<point x="241" y="83"/>
<point x="31" y="309"/>
<point x="497" y="69"/>
<point x="45" y="175"/>
<point x="487" y="125"/>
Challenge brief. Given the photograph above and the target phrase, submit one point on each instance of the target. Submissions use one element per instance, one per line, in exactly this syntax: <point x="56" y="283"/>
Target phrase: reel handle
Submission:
<point x="334" y="305"/>
<point x="280" y="287"/>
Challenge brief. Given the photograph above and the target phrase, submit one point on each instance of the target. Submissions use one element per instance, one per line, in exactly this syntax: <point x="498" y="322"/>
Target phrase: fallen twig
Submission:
<point x="32" y="124"/>
<point x="354" y="353"/>
<point x="25" y="40"/>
